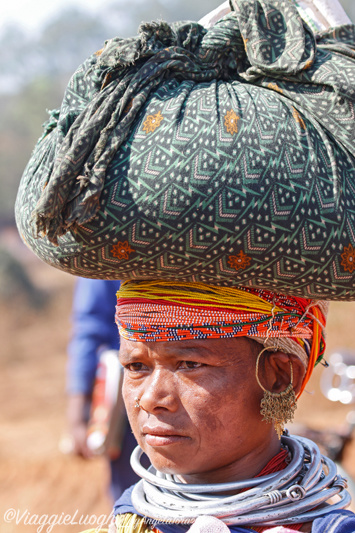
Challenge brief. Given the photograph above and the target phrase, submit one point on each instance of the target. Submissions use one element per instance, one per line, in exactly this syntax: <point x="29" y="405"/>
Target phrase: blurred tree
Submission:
<point x="125" y="16"/>
<point x="69" y="39"/>
<point x="22" y="115"/>
<point x="35" y="70"/>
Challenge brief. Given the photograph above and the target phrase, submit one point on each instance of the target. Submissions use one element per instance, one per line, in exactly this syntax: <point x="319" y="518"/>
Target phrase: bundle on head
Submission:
<point x="222" y="155"/>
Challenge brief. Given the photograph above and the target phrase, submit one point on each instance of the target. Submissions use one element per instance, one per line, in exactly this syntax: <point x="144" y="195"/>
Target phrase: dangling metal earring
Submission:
<point x="277" y="408"/>
<point x="137" y="400"/>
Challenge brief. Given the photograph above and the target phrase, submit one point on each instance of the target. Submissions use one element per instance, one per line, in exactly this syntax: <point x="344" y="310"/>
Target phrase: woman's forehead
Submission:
<point x="220" y="348"/>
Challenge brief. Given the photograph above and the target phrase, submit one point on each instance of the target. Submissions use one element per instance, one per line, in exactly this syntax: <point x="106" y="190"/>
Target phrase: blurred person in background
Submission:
<point x="94" y="331"/>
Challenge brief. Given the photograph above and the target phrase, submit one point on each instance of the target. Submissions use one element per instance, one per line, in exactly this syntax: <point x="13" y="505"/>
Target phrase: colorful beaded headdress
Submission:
<point x="163" y="311"/>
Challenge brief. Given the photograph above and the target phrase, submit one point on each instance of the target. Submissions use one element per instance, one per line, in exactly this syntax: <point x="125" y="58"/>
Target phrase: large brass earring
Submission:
<point x="277" y="408"/>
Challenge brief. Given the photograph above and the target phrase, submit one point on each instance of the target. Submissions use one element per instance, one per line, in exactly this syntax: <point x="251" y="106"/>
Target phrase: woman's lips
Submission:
<point x="161" y="437"/>
<point x="160" y="440"/>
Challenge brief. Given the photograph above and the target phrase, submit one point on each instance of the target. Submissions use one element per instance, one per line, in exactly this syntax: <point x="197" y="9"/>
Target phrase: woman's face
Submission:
<point x="199" y="412"/>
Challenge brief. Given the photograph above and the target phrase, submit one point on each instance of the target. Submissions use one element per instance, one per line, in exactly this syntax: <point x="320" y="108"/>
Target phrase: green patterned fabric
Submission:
<point x="223" y="155"/>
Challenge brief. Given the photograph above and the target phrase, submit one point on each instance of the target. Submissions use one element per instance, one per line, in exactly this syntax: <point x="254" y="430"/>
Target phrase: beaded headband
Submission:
<point x="173" y="311"/>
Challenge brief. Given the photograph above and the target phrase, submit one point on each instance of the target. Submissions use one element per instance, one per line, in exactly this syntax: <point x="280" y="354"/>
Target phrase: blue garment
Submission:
<point x="334" y="522"/>
<point x="94" y="329"/>
<point x="93" y="317"/>
<point x="124" y="505"/>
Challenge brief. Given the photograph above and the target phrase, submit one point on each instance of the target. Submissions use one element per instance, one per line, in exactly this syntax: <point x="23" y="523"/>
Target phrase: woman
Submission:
<point x="223" y="157"/>
<point x="210" y="373"/>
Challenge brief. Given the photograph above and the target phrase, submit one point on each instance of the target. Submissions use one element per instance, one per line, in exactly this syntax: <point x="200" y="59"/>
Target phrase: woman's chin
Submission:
<point x="169" y="465"/>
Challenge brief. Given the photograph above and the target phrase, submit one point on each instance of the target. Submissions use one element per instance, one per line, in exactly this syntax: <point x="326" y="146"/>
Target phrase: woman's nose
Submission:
<point x="159" y="391"/>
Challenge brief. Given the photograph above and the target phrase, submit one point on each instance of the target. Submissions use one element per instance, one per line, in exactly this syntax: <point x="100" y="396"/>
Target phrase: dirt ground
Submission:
<point x="36" y="479"/>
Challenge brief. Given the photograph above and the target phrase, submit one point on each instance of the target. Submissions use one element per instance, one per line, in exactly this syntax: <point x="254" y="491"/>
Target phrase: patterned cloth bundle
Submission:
<point x="222" y="155"/>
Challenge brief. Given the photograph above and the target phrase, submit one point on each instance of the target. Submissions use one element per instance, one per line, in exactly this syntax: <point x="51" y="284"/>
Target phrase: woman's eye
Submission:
<point x="136" y="367"/>
<point x="190" y="365"/>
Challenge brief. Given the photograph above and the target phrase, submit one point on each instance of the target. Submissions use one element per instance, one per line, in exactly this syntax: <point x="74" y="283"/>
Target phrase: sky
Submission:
<point x="31" y="14"/>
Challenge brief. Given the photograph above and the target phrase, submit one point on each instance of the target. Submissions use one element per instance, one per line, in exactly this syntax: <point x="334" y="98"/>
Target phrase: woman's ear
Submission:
<point x="277" y="373"/>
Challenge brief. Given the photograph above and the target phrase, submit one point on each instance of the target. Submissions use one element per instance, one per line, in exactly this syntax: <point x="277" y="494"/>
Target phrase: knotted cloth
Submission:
<point x="223" y="155"/>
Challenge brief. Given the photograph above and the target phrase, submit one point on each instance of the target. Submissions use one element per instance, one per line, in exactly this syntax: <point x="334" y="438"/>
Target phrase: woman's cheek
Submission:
<point x="207" y="413"/>
<point x="129" y="394"/>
